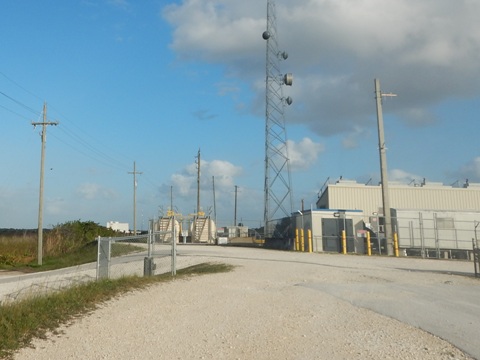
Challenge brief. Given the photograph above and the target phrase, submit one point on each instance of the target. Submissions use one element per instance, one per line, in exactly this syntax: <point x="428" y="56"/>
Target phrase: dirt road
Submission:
<point x="285" y="305"/>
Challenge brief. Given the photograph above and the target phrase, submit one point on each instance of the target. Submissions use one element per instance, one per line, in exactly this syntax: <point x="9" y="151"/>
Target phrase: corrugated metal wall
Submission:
<point x="369" y="198"/>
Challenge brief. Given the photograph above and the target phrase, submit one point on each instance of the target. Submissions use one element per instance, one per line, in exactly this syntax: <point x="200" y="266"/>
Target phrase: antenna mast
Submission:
<point x="278" y="189"/>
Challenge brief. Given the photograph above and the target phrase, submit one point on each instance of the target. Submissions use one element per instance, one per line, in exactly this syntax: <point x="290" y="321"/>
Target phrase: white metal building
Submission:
<point x="346" y="194"/>
<point x="429" y="218"/>
<point x="118" y="226"/>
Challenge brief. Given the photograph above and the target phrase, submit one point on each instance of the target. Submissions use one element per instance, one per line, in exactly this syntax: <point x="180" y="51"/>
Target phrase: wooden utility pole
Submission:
<point x="235" y="212"/>
<point x="44" y="124"/>
<point x="198" y="183"/>
<point x="135" y="172"/>
<point x="214" y="202"/>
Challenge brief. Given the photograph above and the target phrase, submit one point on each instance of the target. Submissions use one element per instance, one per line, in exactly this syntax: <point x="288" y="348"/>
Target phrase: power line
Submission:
<point x="20" y="103"/>
<point x="99" y="155"/>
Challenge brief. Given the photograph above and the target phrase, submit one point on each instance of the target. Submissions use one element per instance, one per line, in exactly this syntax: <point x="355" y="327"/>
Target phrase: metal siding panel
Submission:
<point x="368" y="198"/>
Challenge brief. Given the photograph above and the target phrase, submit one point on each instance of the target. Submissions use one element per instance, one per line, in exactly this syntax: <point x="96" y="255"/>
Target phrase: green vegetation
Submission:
<point x="22" y="321"/>
<point x="68" y="244"/>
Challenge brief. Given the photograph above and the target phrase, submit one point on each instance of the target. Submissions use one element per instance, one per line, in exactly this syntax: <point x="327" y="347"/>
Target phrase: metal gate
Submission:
<point x="332" y="234"/>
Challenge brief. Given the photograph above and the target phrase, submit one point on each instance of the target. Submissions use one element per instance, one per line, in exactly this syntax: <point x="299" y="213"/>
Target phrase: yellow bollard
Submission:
<point x="310" y="245"/>
<point x="395" y="243"/>
<point x="296" y="240"/>
<point x="344" y="242"/>
<point x="302" y="240"/>
<point x="369" y="244"/>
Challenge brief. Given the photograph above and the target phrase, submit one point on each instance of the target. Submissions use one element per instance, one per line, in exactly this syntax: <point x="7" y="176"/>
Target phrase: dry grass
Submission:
<point x="17" y="250"/>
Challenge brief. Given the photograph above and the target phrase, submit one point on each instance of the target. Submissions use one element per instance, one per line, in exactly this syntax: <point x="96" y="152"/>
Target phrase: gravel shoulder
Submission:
<point x="274" y="305"/>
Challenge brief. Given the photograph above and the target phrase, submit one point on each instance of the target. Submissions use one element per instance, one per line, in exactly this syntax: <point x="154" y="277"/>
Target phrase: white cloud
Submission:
<point x="91" y="191"/>
<point x="184" y="186"/>
<point x="425" y="51"/>
<point x="185" y="182"/>
<point x="303" y="154"/>
<point x="403" y="176"/>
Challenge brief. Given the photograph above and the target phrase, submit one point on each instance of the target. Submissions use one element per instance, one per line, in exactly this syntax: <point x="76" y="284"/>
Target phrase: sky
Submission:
<point x="151" y="82"/>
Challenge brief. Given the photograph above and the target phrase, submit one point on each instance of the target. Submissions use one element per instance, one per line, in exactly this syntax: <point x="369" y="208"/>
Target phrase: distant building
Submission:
<point x="429" y="219"/>
<point x="348" y="194"/>
<point x="118" y="226"/>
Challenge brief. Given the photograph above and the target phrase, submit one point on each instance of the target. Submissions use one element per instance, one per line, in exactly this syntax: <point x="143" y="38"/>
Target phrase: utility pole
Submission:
<point x="383" y="168"/>
<point x="235" y="212"/>
<point x="214" y="202"/>
<point x="44" y="124"/>
<point x="135" y="172"/>
<point x="198" y="183"/>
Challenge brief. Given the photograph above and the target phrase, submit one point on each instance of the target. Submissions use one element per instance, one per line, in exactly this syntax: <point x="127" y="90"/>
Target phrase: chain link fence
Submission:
<point x="426" y="234"/>
<point x="140" y="255"/>
<point x="149" y="254"/>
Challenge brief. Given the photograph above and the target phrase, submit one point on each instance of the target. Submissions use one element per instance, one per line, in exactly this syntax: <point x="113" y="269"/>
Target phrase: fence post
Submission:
<point x="302" y="240"/>
<point x="103" y="258"/>
<point x="369" y="244"/>
<point x="98" y="257"/>
<point x="174" y="247"/>
<point x="296" y="240"/>
<point x="310" y="243"/>
<point x="475" y="257"/>
<point x="395" y="243"/>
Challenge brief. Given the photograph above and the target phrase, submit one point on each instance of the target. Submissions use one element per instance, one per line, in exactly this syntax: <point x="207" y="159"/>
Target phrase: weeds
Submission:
<point x="18" y="248"/>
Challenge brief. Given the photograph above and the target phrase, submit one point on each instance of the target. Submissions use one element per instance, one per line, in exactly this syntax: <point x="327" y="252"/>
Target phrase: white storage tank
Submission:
<point x="203" y="230"/>
<point x="164" y="225"/>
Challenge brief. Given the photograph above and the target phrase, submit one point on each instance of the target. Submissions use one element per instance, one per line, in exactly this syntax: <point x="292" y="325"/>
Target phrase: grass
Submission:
<point x="17" y="250"/>
<point x="22" y="321"/>
<point x="16" y="254"/>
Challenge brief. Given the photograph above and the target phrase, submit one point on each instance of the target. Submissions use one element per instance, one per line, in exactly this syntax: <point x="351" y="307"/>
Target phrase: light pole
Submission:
<point x="302" y="239"/>
<point x="301" y="214"/>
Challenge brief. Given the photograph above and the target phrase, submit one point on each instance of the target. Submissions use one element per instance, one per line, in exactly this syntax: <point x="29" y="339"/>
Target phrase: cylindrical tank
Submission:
<point x="164" y="226"/>
<point x="203" y="230"/>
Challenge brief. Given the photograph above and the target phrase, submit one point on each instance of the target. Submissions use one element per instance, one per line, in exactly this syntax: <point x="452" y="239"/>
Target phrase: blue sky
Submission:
<point x="154" y="81"/>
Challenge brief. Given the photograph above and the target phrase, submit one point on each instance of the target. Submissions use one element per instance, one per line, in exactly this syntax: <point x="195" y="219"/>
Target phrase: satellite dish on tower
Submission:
<point x="289" y="100"/>
<point x="288" y="79"/>
<point x="266" y="35"/>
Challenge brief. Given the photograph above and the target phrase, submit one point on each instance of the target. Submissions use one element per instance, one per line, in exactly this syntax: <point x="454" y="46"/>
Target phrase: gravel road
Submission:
<point x="274" y="305"/>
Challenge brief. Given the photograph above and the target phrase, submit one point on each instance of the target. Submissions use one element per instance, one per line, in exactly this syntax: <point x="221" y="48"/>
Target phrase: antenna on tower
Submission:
<point x="278" y="189"/>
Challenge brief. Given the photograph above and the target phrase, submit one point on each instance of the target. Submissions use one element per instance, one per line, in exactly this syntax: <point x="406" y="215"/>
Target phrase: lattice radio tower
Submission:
<point x="278" y="189"/>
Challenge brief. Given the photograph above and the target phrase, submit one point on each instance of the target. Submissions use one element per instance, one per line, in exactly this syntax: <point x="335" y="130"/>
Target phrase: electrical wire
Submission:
<point x="99" y="155"/>
<point x="19" y="103"/>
